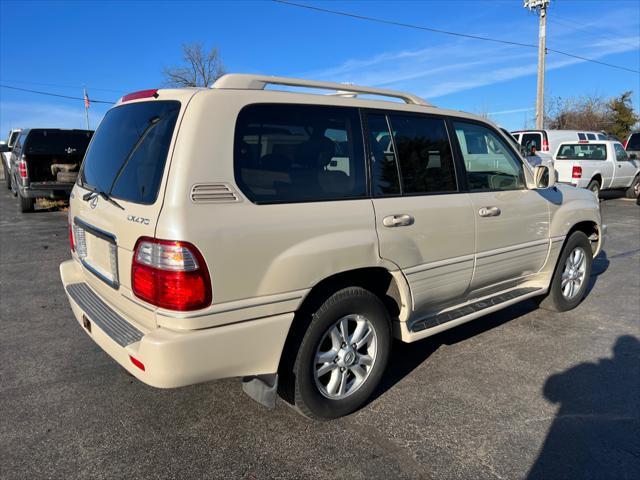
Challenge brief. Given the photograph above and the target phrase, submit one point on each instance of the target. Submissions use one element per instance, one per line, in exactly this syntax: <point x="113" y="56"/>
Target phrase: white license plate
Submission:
<point x="98" y="252"/>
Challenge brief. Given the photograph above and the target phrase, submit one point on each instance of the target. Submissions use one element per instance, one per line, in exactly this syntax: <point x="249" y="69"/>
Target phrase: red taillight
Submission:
<point x="576" y="172"/>
<point x="71" y="242"/>
<point x="137" y="362"/>
<point x="22" y="168"/>
<point x="545" y="145"/>
<point x="141" y="94"/>
<point x="170" y="274"/>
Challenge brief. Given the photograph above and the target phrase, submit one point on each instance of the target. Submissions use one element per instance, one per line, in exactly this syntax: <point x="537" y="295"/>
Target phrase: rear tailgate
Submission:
<point x="129" y="159"/>
<point x="564" y="169"/>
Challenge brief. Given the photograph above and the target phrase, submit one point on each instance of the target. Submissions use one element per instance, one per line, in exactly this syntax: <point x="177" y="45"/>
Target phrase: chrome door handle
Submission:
<point x="398" y="220"/>
<point x="489" y="212"/>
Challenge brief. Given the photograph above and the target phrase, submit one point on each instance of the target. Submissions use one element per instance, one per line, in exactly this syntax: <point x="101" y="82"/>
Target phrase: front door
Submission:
<point x="425" y="224"/>
<point x="625" y="169"/>
<point x="512" y="222"/>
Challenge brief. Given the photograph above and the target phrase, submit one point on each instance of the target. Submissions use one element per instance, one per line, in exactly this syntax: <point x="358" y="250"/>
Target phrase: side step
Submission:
<point x="456" y="313"/>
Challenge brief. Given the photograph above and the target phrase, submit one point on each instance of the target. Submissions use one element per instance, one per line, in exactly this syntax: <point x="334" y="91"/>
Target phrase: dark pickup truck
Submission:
<point x="45" y="163"/>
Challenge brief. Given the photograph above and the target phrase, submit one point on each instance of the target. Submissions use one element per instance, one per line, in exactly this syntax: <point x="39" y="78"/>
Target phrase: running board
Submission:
<point x="470" y="308"/>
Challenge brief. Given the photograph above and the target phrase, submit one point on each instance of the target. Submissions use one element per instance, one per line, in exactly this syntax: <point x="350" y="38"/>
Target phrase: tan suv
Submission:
<point x="286" y="237"/>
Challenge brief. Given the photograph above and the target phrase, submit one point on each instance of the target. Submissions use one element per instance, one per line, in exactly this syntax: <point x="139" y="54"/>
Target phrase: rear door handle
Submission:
<point x="401" y="220"/>
<point x="489" y="212"/>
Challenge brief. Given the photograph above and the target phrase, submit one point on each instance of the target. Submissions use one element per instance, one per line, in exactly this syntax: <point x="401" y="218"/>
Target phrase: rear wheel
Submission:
<point x="594" y="186"/>
<point x="343" y="354"/>
<point x="26" y="203"/>
<point x="571" y="277"/>
<point x="634" y="190"/>
<point x="7" y="178"/>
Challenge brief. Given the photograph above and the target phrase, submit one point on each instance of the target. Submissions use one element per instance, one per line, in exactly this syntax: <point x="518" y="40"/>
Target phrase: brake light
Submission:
<point x="170" y="274"/>
<point x="576" y="172"/>
<point x="545" y="145"/>
<point x="22" y="168"/>
<point x="71" y="242"/>
<point x="141" y="94"/>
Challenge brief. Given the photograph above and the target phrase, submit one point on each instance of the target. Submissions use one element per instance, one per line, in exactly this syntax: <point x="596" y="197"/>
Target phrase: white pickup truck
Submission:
<point x="598" y="165"/>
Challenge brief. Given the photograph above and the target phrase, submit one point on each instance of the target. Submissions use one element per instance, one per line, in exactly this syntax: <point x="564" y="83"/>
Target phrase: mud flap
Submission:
<point x="262" y="388"/>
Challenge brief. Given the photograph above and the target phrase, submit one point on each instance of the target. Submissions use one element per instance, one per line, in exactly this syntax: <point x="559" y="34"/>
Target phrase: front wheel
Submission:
<point x="634" y="190"/>
<point x="7" y="178"/>
<point x="571" y="278"/>
<point x="343" y="354"/>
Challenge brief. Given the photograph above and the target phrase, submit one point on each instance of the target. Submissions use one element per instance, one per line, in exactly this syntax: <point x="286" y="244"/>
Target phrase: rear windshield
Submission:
<point x="582" y="152"/>
<point x="127" y="156"/>
<point x="57" y="142"/>
<point x="634" y="142"/>
<point x="532" y="140"/>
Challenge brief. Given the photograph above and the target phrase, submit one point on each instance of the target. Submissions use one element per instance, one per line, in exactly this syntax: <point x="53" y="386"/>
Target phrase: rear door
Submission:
<point x="512" y="222"/>
<point x="425" y="224"/>
<point x="119" y="192"/>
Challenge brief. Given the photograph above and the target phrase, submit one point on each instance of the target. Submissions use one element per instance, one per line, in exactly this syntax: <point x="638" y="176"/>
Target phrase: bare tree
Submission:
<point x="200" y="68"/>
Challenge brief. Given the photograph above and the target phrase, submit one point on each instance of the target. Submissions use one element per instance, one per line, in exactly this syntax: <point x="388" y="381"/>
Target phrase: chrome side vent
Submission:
<point x="213" y="193"/>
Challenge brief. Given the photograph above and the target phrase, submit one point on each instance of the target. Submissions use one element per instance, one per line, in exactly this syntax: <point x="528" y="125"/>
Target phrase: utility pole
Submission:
<point x="540" y="6"/>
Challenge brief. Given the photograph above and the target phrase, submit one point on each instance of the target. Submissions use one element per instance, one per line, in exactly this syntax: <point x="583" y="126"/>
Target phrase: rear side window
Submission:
<point x="384" y="168"/>
<point x="129" y="150"/>
<point x="532" y="140"/>
<point x="583" y="151"/>
<point x="299" y="153"/>
<point x="424" y="154"/>
<point x="582" y="136"/>
<point x="634" y="142"/>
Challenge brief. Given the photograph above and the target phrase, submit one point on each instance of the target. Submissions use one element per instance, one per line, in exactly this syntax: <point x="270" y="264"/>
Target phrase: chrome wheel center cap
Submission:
<point x="349" y="357"/>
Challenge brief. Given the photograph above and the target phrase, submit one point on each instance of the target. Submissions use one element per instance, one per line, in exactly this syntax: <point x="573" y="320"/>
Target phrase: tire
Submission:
<point x="634" y="190"/>
<point x="557" y="299"/>
<point x="324" y="396"/>
<point x="594" y="186"/>
<point x="67" y="177"/>
<point x="26" y="204"/>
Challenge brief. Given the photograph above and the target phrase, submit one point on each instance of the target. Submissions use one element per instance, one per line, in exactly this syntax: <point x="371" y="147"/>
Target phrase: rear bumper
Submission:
<point x="51" y="190"/>
<point x="177" y="358"/>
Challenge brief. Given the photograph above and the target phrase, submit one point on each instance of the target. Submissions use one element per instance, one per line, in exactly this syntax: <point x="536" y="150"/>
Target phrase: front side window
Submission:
<point x="424" y="154"/>
<point x="490" y="163"/>
<point x="582" y="151"/>
<point x="299" y="153"/>
<point x="621" y="154"/>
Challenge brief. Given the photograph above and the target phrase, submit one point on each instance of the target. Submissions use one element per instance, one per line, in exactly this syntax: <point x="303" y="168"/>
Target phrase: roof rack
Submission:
<point x="241" y="81"/>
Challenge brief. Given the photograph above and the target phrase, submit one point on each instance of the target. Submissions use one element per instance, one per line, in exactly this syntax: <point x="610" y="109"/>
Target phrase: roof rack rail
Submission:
<point x="241" y="81"/>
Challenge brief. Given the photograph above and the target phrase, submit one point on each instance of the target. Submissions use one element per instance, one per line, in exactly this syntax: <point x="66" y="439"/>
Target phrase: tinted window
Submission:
<point x="634" y="142"/>
<point x="602" y="136"/>
<point x="582" y="152"/>
<point x="57" y="142"/>
<point x="424" y="154"/>
<point x="129" y="150"/>
<point x="490" y="163"/>
<point x="591" y="136"/>
<point x="582" y="136"/>
<point x="298" y="153"/>
<point x="621" y="154"/>
<point x="384" y="169"/>
<point x="532" y="140"/>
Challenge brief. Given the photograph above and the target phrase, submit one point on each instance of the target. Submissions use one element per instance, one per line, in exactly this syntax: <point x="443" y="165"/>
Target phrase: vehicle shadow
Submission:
<point x="406" y="357"/>
<point x="595" y="431"/>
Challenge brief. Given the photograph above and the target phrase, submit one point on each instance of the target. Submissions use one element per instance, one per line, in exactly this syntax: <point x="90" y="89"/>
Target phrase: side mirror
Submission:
<point x="544" y="176"/>
<point x="4" y="148"/>
<point x="633" y="156"/>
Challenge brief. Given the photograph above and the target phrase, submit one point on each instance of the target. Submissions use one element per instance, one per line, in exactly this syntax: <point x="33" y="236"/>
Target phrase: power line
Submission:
<point x="61" y="85"/>
<point x="55" y="94"/>
<point x="447" y="32"/>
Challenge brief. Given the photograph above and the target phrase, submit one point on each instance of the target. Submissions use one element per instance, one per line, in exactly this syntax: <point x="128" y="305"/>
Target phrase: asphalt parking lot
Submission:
<point x="520" y="393"/>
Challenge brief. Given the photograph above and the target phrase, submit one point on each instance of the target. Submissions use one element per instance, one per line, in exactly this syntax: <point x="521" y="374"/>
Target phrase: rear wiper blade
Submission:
<point x="88" y="196"/>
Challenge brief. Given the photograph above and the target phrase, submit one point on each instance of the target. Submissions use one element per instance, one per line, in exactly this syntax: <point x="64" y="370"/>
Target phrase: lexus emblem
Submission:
<point x="93" y="202"/>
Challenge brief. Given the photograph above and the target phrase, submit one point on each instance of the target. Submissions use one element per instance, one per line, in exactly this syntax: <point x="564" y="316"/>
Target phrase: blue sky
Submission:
<point x="118" y="47"/>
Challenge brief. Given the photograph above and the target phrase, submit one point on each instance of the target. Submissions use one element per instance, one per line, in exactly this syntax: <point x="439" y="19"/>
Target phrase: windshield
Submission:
<point x="582" y="152"/>
<point x="127" y="156"/>
<point x="634" y="142"/>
